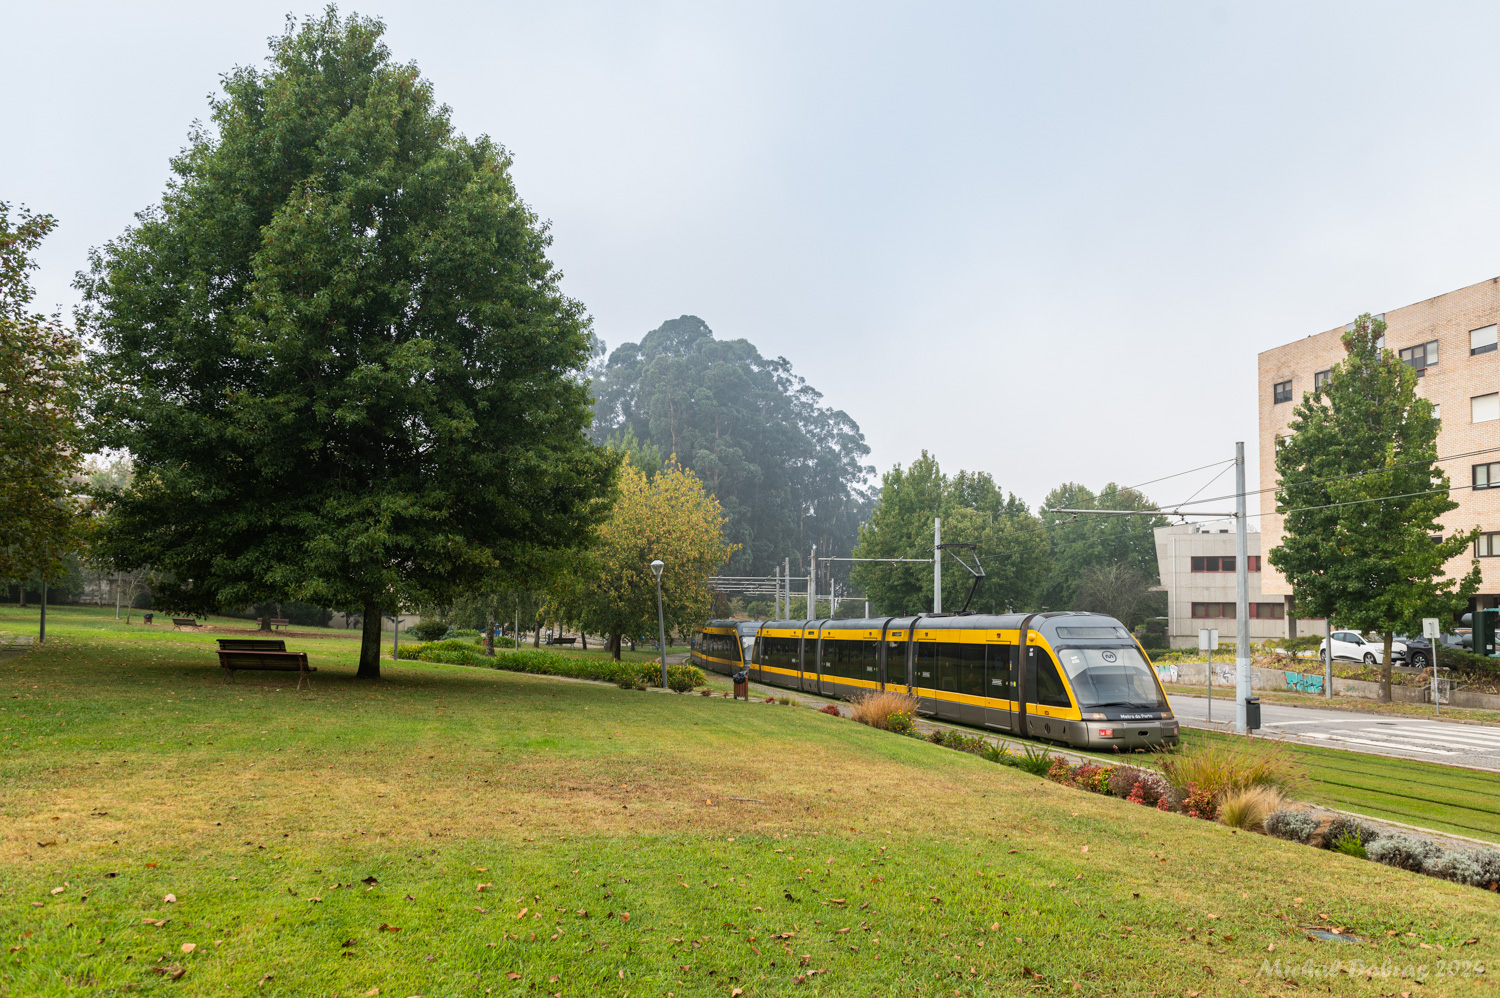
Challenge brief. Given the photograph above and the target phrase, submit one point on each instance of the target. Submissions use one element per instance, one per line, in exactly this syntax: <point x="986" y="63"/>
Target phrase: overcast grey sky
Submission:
<point x="1043" y="240"/>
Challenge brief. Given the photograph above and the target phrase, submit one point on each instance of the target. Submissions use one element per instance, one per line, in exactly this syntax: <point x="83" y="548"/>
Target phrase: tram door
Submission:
<point x="894" y="675"/>
<point x="1000" y="684"/>
<point x="809" y="661"/>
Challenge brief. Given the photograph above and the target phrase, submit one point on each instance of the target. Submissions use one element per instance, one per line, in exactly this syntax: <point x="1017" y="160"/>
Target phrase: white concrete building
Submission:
<point x="1197" y="564"/>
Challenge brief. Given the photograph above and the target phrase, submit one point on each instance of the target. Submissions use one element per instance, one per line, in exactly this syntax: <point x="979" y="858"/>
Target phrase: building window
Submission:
<point x="1252" y="563"/>
<point x="1482" y="340"/>
<point x="1281" y="392"/>
<point x="1268" y="611"/>
<point x="1211" y="611"/>
<point x="1221" y="563"/>
<point x="1421" y="357"/>
<point x="1484" y="408"/>
<point x="1322" y="378"/>
<point x="1487" y="476"/>
<point x="1437" y="411"/>
<point x="1487" y="546"/>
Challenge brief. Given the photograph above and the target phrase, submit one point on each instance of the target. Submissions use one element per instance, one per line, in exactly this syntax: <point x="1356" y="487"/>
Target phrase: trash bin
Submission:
<point x="1252" y="713"/>
<point x="146" y="617"/>
<point x="741" y="684"/>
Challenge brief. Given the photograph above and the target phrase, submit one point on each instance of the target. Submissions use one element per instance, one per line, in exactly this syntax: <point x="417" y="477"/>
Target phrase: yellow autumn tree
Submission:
<point x="610" y="589"/>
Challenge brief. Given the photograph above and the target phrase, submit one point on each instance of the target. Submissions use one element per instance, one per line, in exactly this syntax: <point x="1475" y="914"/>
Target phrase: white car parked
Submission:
<point x="1350" y="645"/>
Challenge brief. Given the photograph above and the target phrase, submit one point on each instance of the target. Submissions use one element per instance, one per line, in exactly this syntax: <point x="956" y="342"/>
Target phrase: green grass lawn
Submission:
<point x="460" y="831"/>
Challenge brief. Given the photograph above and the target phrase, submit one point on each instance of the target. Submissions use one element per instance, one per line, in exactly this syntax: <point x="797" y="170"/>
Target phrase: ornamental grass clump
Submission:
<point x="1220" y="767"/>
<point x="877" y="708"/>
<point x="1249" y="808"/>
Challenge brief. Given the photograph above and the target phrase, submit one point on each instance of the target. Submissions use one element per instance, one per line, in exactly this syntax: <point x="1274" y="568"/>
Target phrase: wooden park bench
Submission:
<point x="263" y="655"/>
<point x="275" y="622"/>
<point x="184" y="622"/>
<point x="562" y="641"/>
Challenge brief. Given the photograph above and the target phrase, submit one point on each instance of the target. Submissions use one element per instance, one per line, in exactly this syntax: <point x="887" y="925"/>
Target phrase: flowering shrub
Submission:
<point x="830" y="710"/>
<point x="1200" y="803"/>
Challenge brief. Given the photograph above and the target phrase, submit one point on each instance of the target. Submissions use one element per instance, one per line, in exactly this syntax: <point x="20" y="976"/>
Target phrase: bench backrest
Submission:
<point x="263" y="659"/>
<point x="252" y="644"/>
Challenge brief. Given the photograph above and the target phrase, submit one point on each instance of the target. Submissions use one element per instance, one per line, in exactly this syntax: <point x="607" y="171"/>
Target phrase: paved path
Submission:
<point x="1451" y="742"/>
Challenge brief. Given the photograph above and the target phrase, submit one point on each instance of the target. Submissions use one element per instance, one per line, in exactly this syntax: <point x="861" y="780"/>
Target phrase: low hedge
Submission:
<point x="638" y="675"/>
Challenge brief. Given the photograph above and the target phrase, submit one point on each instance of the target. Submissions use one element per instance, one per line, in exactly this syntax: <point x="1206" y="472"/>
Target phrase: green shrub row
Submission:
<point x="632" y="675"/>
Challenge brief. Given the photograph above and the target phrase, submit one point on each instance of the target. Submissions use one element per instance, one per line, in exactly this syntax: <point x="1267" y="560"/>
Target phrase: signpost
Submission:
<point x="1208" y="640"/>
<point x="1432" y="633"/>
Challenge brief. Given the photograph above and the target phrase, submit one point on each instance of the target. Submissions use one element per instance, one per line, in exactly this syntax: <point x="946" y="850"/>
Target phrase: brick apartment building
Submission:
<point x="1451" y="341"/>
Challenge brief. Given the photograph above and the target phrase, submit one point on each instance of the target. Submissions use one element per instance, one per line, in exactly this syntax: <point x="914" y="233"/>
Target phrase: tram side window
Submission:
<point x="869" y="662"/>
<point x="1050" y="690"/>
<point x="779" y="653"/>
<point x="924" y="670"/>
<point x="999" y="672"/>
<point x="844" y="659"/>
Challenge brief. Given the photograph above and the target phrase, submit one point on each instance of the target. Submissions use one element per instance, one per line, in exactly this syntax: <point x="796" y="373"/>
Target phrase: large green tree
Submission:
<point x="787" y="470"/>
<point x="1081" y="542"/>
<point x="1010" y="543"/>
<point x="1363" y="498"/>
<point x="41" y="520"/>
<point x="339" y="352"/>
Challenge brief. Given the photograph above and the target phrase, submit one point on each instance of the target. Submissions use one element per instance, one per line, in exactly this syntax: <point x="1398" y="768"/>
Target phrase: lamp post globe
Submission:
<point x="661" y="620"/>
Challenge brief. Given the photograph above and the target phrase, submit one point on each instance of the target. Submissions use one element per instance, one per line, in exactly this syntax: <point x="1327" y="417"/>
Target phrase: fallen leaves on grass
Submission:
<point x="174" y="971"/>
<point x="189" y="947"/>
<point x="370" y="881"/>
<point x="388" y="928"/>
<point x="170" y="899"/>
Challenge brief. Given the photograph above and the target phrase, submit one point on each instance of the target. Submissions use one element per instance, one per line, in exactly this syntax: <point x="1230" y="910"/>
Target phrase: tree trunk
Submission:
<point x="536" y="637"/>
<point x="489" y="634"/>
<point x="264" y="610"/>
<point x="1385" y="671"/>
<point x="369" y="645"/>
<point x="583" y="640"/>
<point x="616" y="642"/>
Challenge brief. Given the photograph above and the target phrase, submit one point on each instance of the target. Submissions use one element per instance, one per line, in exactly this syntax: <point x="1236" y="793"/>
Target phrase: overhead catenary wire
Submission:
<point x="1344" y="477"/>
<point x="1132" y="488"/>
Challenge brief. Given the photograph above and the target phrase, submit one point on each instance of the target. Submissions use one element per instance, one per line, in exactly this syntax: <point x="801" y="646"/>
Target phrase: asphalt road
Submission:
<point x="1471" y="745"/>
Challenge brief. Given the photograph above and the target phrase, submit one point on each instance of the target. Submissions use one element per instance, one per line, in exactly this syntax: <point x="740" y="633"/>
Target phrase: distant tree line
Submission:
<point x="787" y="470"/>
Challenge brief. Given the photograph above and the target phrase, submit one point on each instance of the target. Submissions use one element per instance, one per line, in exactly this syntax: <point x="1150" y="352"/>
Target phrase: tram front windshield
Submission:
<point x="1111" y="677"/>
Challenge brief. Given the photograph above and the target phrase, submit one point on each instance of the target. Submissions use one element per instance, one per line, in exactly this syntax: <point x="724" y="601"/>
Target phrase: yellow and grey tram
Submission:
<point x="1078" y="678"/>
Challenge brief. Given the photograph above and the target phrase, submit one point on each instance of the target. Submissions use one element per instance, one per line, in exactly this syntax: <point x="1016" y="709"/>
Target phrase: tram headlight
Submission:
<point x="1095" y="717"/>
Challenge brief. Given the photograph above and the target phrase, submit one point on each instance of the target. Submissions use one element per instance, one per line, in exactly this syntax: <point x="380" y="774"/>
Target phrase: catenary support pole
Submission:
<point x="396" y="635"/>
<point x="1241" y="594"/>
<point x="1328" y="658"/>
<point x="1437" y="703"/>
<point x="937" y="565"/>
<point x="42" y="634"/>
<point x="117" y="595"/>
<point x="812" y="576"/>
<point x="786" y="575"/>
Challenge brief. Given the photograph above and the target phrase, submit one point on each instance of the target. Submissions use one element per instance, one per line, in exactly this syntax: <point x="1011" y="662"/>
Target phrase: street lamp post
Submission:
<point x="661" y="620"/>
